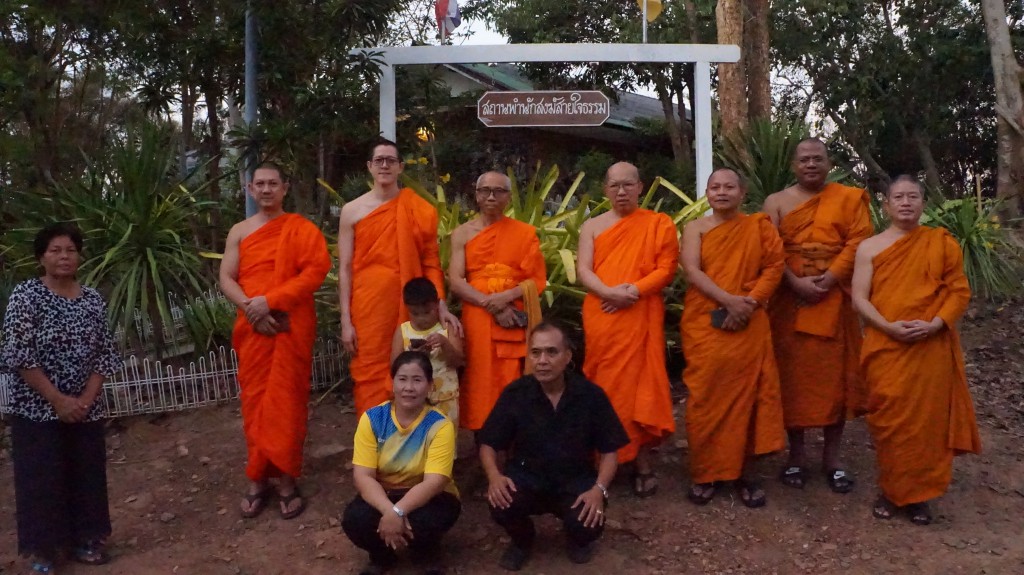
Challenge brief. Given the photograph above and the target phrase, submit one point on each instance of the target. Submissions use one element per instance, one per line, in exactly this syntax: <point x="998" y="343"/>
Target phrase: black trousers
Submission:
<point x="60" y="484"/>
<point x="528" y="500"/>
<point x="429" y="524"/>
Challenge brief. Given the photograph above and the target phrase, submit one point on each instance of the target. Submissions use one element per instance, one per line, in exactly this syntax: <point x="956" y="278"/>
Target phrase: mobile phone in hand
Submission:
<point x="718" y="317"/>
<point x="417" y="344"/>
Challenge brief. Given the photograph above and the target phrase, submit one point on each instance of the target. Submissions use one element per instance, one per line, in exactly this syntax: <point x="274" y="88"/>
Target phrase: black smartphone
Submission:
<point x="718" y="317"/>
<point x="417" y="344"/>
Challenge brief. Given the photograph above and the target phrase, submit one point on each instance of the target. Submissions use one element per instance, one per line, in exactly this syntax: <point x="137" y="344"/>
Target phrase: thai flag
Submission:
<point x="448" y="16"/>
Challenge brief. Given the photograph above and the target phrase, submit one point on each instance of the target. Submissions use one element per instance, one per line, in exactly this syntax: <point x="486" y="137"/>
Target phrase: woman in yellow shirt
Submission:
<point x="402" y="467"/>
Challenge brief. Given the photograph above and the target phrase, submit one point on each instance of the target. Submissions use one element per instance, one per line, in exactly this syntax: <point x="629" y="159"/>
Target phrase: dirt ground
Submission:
<point x="175" y="483"/>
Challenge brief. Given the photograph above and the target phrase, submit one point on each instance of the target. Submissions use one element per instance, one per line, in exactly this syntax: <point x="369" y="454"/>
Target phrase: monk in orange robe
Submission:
<point x="733" y="263"/>
<point x="498" y="271"/>
<point x="910" y="287"/>
<point x="273" y="264"/>
<point x="626" y="257"/>
<point x="386" y="237"/>
<point x="814" y="327"/>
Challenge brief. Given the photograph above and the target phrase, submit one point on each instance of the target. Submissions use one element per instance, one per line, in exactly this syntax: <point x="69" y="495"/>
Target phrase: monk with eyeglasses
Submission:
<point x="498" y="271"/>
<point x="627" y="255"/>
<point x="386" y="237"/>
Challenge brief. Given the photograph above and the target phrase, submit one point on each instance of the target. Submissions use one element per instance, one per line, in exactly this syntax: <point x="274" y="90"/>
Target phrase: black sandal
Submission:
<point x="641" y="486"/>
<point x="746" y="490"/>
<point x="699" y="493"/>
<point x="839" y="481"/>
<point x="92" y="553"/>
<point x="883" y="508"/>
<point x="920" y="513"/>
<point x="257" y="502"/>
<point x="286" y="500"/>
<point x="794" y="476"/>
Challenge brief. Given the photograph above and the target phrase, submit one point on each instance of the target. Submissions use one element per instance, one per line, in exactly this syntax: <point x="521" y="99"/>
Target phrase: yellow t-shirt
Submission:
<point x="401" y="455"/>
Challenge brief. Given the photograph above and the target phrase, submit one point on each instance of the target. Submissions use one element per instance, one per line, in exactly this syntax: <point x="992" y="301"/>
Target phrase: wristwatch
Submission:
<point x="398" y="511"/>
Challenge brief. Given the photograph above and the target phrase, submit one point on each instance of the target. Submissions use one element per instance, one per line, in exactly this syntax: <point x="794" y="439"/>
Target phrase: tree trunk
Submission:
<point x="756" y="43"/>
<point x="671" y="125"/>
<point x="188" y="115"/>
<point x="214" y="150"/>
<point x="924" y="151"/>
<point x="732" y="78"/>
<point x="1009" y="108"/>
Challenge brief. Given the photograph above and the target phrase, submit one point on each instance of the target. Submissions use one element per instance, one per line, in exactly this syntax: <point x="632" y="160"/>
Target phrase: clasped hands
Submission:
<point x="813" y="289"/>
<point x="619" y="297"/>
<point x="500" y="306"/>
<point x="914" y="330"/>
<point x="394" y="530"/>
<point x="71" y="409"/>
<point x="739" y="309"/>
<point x="257" y="312"/>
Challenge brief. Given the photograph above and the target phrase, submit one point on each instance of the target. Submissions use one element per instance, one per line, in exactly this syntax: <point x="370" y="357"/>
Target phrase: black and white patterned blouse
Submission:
<point x="68" y="338"/>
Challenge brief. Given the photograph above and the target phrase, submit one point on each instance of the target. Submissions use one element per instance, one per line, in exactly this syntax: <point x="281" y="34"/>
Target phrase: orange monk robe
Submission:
<point x="500" y="257"/>
<point x="625" y="350"/>
<point x="919" y="408"/>
<point x="393" y="244"/>
<point x="817" y="346"/>
<point x="735" y="407"/>
<point x="285" y="260"/>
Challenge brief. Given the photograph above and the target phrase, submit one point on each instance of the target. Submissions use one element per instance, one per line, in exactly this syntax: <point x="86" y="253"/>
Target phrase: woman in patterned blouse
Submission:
<point x="59" y="348"/>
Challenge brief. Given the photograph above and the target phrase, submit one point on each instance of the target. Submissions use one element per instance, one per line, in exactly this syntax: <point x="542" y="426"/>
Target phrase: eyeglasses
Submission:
<point x="492" y="191"/>
<point x="382" y="161"/>
<point x="621" y="185"/>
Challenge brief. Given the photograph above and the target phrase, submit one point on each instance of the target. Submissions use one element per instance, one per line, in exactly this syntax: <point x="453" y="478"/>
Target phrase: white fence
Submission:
<point x="147" y="387"/>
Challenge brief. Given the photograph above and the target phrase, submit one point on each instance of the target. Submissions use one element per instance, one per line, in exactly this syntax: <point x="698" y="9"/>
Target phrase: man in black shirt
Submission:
<point x="550" y="423"/>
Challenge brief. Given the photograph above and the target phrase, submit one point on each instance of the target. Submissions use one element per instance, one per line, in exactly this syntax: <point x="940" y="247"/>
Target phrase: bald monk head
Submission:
<point x="904" y="202"/>
<point x="622" y="187"/>
<point x="493" y="192"/>
<point x="811" y="164"/>
<point x="726" y="190"/>
<point x="268" y="187"/>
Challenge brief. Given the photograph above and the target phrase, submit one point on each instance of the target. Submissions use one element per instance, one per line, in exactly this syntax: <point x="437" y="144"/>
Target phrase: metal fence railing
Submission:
<point x="147" y="387"/>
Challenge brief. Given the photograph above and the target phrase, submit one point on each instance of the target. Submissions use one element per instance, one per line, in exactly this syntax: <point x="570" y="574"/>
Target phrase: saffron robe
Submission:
<point x="734" y="408"/>
<point x="393" y="244"/>
<point x="920" y="412"/>
<point x="625" y="350"/>
<point x="817" y="345"/>
<point x="285" y="260"/>
<point x="500" y="257"/>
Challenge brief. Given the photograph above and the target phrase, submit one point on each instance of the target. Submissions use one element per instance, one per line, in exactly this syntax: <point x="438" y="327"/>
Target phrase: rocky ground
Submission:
<point x="175" y="482"/>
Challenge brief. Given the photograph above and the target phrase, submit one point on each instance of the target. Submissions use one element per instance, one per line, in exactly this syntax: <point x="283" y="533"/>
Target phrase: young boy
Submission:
<point x="424" y="332"/>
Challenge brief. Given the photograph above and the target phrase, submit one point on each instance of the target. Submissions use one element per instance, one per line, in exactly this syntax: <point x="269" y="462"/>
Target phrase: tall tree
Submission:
<point x="902" y="82"/>
<point x="756" y="55"/>
<point x="1009" y="107"/>
<point x="732" y="77"/>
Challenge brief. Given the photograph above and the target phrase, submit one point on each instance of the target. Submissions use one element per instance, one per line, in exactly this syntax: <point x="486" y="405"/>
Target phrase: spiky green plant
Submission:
<point x="762" y="155"/>
<point x="992" y="261"/>
<point x="140" y="226"/>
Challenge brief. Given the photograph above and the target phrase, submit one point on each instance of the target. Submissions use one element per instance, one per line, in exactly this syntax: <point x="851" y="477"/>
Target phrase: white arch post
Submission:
<point x="702" y="56"/>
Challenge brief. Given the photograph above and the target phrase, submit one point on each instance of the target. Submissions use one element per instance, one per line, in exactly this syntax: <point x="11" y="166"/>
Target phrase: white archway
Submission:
<point x="702" y="56"/>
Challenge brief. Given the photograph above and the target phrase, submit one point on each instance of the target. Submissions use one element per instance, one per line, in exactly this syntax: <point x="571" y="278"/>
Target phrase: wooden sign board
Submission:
<point x="543" y="108"/>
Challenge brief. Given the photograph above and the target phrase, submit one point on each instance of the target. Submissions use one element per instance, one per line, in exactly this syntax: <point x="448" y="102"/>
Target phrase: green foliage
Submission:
<point x="763" y="154"/>
<point x="558" y="223"/>
<point x="905" y="83"/>
<point x="992" y="261"/>
<point x="139" y="224"/>
<point x="209" y="323"/>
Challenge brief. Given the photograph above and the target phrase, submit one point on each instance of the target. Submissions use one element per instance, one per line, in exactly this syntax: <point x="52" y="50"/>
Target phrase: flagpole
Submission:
<point x="645" y="20"/>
